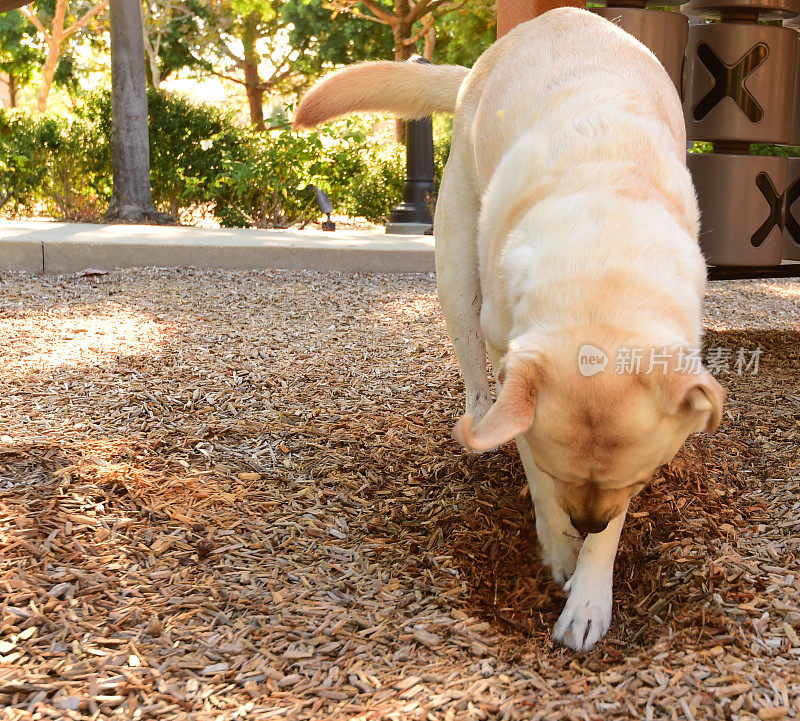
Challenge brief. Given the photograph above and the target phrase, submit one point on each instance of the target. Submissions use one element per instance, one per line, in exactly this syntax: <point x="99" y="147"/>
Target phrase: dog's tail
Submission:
<point x="408" y="90"/>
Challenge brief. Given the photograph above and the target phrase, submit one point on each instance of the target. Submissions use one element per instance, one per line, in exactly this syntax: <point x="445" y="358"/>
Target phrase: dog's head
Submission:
<point x="601" y="437"/>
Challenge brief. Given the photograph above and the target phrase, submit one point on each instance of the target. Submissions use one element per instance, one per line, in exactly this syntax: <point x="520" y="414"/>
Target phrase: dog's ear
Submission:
<point x="512" y="412"/>
<point x="699" y="394"/>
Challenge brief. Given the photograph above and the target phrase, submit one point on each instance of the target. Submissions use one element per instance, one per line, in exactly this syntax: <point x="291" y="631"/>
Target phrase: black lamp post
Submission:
<point x="412" y="217"/>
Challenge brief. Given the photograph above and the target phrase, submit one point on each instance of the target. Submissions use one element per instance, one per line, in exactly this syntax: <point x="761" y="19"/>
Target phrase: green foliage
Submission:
<point x="167" y="24"/>
<point x="331" y="41"/>
<point x="237" y="40"/>
<point x="187" y="144"/>
<point x="66" y="75"/>
<point x="201" y="158"/>
<point x="190" y="146"/>
<point x="78" y="49"/>
<point x="20" y="170"/>
<point x="365" y="173"/>
<point x="20" y="55"/>
<point x="462" y="35"/>
<point x="267" y="189"/>
<point x="364" y="177"/>
<point x="788" y="151"/>
<point x="55" y="162"/>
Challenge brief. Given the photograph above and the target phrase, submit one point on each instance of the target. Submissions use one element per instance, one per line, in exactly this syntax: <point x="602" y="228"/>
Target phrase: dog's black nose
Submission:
<point x="588" y="525"/>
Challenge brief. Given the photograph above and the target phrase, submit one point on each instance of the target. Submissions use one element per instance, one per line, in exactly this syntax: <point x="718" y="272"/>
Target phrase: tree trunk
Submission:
<point x="430" y="43"/>
<point x="48" y="72"/>
<point x="130" y="143"/>
<point x="53" y="53"/>
<point x="253" y="84"/>
<point x="154" y="76"/>
<point x="255" y="98"/>
<point x="13" y="89"/>
<point x="401" y="32"/>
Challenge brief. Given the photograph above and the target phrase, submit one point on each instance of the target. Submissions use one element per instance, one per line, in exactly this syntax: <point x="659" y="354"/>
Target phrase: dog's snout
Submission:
<point x="588" y="525"/>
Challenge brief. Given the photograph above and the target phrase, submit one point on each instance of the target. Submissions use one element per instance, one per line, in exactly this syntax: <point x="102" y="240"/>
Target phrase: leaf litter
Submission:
<point x="235" y="495"/>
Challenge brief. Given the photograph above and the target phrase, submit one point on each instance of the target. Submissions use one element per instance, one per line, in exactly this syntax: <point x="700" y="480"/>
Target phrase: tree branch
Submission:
<point x="453" y="8"/>
<point x="378" y="11"/>
<point x="418" y="10"/>
<point x="87" y="16"/>
<point x="427" y="25"/>
<point x="284" y="71"/>
<point x="372" y="18"/>
<point x="430" y="7"/>
<point x="225" y="77"/>
<point x="208" y="67"/>
<point x="36" y="22"/>
<point x="225" y="49"/>
<point x="382" y="15"/>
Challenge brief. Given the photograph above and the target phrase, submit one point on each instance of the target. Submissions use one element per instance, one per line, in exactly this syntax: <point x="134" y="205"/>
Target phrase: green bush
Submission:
<point x="377" y="188"/>
<point x="20" y="172"/>
<point x="77" y="184"/>
<point x="54" y="162"/>
<point x="267" y="188"/>
<point x="200" y="157"/>
<point x="363" y="177"/>
<point x="788" y="151"/>
<point x="366" y="173"/>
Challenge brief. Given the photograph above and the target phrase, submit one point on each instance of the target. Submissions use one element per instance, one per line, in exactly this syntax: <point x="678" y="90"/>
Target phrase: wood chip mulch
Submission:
<point x="234" y="495"/>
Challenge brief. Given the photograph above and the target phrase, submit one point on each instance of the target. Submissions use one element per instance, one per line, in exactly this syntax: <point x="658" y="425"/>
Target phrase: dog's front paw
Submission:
<point x="559" y="547"/>
<point x="585" y="618"/>
<point x="561" y="557"/>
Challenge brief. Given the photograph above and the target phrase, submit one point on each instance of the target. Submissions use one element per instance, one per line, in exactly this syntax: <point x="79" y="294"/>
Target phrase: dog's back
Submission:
<point x="580" y="167"/>
<point x="557" y="67"/>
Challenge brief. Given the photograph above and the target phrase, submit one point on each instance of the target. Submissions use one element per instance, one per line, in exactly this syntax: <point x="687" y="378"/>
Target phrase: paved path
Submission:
<point x="52" y="247"/>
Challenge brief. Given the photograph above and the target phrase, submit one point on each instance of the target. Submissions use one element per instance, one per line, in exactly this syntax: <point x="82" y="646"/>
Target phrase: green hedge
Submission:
<point x="57" y="162"/>
<point x="789" y="151"/>
<point x="200" y="157"/>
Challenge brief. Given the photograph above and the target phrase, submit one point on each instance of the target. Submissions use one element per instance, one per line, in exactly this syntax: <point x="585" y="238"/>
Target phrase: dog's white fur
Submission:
<point x="566" y="216"/>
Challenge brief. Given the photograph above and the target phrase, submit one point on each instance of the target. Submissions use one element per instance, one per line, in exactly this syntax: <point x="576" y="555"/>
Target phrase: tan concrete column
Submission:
<point x="511" y="13"/>
<point x="6" y="5"/>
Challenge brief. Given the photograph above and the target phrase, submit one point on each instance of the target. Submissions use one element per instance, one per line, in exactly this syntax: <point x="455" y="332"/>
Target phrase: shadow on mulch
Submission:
<point x="431" y="499"/>
<point x="496" y="550"/>
<point x="663" y="574"/>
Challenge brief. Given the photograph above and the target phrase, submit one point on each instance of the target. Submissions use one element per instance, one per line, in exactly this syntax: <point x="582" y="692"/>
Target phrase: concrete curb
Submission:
<point x="51" y="247"/>
<point x="27" y="255"/>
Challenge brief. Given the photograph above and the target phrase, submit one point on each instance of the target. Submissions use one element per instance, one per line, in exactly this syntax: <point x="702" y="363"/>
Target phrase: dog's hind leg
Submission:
<point x="456" y="231"/>
<point x="560" y="541"/>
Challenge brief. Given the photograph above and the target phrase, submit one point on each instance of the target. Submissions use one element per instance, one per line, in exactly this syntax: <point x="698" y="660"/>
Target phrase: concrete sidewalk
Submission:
<point x="53" y="247"/>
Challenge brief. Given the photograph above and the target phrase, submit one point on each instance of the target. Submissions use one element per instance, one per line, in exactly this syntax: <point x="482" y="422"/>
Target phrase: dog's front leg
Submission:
<point x="587" y="613"/>
<point x="559" y="540"/>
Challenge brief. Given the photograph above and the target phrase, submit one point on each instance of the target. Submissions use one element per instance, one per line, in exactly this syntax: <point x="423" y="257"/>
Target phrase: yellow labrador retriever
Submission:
<point x="566" y="247"/>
